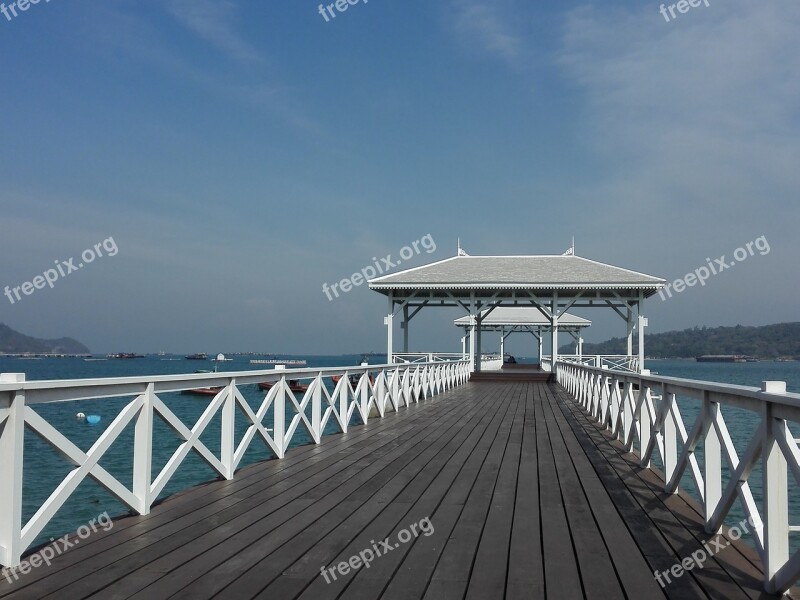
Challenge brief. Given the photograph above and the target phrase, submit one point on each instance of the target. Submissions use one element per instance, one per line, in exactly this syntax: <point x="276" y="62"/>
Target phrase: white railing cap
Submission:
<point x="773" y="387"/>
<point x="12" y="377"/>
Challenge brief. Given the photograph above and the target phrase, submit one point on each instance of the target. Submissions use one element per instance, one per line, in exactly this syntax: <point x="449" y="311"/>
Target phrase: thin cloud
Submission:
<point x="703" y="107"/>
<point x="488" y="27"/>
<point x="212" y="20"/>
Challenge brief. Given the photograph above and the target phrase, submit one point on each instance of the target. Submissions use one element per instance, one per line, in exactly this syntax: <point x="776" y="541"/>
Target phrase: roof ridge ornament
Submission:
<point x="571" y="250"/>
<point x="461" y="251"/>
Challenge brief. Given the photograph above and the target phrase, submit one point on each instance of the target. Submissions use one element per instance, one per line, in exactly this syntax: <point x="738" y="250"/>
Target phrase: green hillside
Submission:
<point x="768" y="341"/>
<point x="15" y="342"/>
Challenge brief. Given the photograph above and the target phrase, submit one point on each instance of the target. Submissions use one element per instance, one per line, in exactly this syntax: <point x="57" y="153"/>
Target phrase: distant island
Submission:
<point x="14" y="342"/>
<point x="781" y="340"/>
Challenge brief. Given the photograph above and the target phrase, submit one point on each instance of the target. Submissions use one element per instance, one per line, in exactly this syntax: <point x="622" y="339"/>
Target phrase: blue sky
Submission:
<point x="241" y="154"/>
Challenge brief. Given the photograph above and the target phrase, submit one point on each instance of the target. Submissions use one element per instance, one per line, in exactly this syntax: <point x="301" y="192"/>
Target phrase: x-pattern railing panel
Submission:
<point x="378" y="387"/>
<point x="653" y="425"/>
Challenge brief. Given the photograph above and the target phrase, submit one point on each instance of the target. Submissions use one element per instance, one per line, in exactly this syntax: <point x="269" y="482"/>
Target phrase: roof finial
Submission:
<point x="461" y="251"/>
<point x="571" y="250"/>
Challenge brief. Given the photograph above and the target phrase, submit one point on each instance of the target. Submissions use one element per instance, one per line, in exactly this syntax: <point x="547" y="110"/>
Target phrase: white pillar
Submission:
<point x="502" y="342"/>
<point x="472" y="343"/>
<point x="478" y="343"/>
<point x="554" y="333"/>
<point x="630" y="323"/>
<point x="405" y="328"/>
<point x="541" y="344"/>
<point x="388" y="321"/>
<point x="580" y="345"/>
<point x="642" y="325"/>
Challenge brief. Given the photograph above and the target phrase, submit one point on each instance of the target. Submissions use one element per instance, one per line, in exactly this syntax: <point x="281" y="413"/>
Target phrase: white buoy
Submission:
<point x="80" y="417"/>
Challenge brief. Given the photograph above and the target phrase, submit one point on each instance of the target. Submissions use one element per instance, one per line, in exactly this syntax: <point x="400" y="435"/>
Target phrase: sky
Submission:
<point x="231" y="157"/>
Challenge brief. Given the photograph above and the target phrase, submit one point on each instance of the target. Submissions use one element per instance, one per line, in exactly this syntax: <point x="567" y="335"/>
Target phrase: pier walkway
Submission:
<point x="490" y="490"/>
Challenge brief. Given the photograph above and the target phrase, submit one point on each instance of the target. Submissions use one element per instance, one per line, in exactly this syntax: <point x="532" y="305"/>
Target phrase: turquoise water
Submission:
<point x="44" y="468"/>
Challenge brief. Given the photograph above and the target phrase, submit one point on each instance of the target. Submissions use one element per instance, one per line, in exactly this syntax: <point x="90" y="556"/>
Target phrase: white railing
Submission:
<point x="617" y="362"/>
<point x="643" y="412"/>
<point x="491" y="362"/>
<point x="377" y="388"/>
<point x="421" y="357"/>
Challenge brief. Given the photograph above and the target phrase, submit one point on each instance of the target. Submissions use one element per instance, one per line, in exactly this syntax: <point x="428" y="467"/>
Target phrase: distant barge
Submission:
<point x="724" y="358"/>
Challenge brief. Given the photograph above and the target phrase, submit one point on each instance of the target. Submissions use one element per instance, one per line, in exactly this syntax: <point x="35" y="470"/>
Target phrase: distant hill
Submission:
<point x="13" y="341"/>
<point x="768" y="341"/>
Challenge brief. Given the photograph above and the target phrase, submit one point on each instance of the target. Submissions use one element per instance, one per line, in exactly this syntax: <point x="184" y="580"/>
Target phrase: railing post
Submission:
<point x="670" y="432"/>
<point x="279" y="417"/>
<point x="645" y="425"/>
<point x="364" y="382"/>
<point x="406" y="387"/>
<point x="380" y="392"/>
<point x="344" y="388"/>
<point x="316" y="409"/>
<point x="12" y="436"/>
<point x="712" y="449"/>
<point x="627" y="413"/>
<point x="143" y="453"/>
<point x="227" y="447"/>
<point x="776" y="500"/>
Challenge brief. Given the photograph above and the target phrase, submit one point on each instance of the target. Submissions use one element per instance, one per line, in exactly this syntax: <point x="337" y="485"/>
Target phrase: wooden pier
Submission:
<point x="526" y="498"/>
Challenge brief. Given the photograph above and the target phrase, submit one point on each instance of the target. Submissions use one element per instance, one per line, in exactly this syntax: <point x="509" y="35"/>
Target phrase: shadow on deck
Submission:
<point x="525" y="498"/>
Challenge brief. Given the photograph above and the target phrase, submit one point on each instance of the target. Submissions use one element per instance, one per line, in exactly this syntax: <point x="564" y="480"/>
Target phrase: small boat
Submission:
<point x="198" y="356"/>
<point x="125" y="355"/>
<point x="209" y="391"/>
<point x="353" y="379"/>
<point x="294" y="385"/>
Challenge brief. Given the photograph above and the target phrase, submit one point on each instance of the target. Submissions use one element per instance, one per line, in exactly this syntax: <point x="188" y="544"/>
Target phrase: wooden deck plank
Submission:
<point x="490" y="570"/>
<point x="561" y="573"/>
<point x="454" y="569"/>
<point x="598" y="575"/>
<point x="525" y="577"/>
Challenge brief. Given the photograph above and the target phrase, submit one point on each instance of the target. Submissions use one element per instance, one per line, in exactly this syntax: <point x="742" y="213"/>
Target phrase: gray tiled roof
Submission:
<point x="524" y="315"/>
<point x="525" y="272"/>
